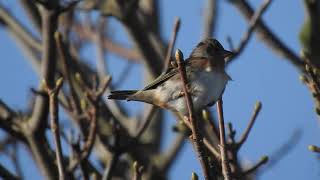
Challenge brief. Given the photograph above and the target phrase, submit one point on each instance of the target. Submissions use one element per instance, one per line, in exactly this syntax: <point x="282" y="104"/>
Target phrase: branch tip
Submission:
<point x="194" y="176"/>
<point x="314" y="148"/>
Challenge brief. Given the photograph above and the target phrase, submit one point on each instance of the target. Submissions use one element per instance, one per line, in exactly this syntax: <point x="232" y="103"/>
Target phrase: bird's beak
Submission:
<point x="226" y="53"/>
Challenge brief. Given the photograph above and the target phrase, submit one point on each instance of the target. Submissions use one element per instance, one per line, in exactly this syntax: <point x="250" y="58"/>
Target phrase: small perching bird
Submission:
<point x="207" y="79"/>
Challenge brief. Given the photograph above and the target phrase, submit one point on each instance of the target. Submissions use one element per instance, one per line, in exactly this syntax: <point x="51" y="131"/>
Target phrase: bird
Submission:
<point x="206" y="75"/>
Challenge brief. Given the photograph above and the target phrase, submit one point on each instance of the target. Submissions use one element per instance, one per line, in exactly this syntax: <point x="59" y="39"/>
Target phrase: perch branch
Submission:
<point x="223" y="151"/>
<point x="196" y="135"/>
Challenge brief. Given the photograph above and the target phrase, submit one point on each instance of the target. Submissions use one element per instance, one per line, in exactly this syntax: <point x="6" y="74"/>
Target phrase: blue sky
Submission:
<point x="258" y="74"/>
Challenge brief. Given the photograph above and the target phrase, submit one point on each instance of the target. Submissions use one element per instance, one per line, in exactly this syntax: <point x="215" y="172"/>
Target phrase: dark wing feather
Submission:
<point x="168" y="74"/>
<point x="161" y="79"/>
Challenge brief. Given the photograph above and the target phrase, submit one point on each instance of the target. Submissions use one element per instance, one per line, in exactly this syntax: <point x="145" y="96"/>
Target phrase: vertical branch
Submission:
<point x="48" y="63"/>
<point x="175" y="30"/>
<point x="210" y="18"/>
<point x="54" y="123"/>
<point x="196" y="135"/>
<point x="223" y="151"/>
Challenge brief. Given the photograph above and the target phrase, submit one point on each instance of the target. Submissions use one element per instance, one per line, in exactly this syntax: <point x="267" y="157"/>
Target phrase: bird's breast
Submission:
<point x="208" y="87"/>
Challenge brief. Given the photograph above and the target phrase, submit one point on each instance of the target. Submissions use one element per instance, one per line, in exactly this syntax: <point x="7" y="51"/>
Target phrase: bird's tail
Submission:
<point x="121" y="95"/>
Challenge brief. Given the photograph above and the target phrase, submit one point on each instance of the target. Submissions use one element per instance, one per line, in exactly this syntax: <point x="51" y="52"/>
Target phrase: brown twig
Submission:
<point x="245" y="135"/>
<point x="86" y="33"/>
<point x="196" y="135"/>
<point x="261" y="162"/>
<point x="175" y="31"/>
<point x="268" y="36"/>
<point x="212" y="149"/>
<point x="54" y="110"/>
<point x="210" y="18"/>
<point x="88" y="145"/>
<point x="252" y="25"/>
<point x="99" y="37"/>
<point x="226" y="171"/>
<point x="48" y="67"/>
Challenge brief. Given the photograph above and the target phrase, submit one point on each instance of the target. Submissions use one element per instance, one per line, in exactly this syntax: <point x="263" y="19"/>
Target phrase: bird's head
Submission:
<point x="211" y="48"/>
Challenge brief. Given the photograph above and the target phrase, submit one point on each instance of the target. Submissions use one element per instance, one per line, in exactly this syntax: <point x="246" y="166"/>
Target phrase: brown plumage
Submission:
<point x="206" y="75"/>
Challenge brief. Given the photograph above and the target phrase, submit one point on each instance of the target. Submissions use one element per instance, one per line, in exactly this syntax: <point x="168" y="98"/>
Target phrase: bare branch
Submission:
<point x="175" y="31"/>
<point x="210" y="18"/>
<point x="268" y="36"/>
<point x="196" y="135"/>
<point x="261" y="162"/>
<point x="21" y="31"/>
<point x="245" y="135"/>
<point x="252" y="25"/>
<point x="226" y="171"/>
<point x="48" y="68"/>
<point x="54" y="110"/>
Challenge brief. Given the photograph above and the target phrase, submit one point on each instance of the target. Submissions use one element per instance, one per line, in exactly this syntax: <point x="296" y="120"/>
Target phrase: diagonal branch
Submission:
<point x="268" y="36"/>
<point x="252" y="25"/>
<point x="245" y="135"/>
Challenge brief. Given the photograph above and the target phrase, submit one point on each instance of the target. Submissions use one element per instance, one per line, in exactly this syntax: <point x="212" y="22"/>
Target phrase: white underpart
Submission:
<point x="206" y="87"/>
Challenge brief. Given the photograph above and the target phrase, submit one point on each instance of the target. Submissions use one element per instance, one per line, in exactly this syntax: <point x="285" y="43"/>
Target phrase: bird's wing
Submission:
<point x="169" y="73"/>
<point x="161" y="79"/>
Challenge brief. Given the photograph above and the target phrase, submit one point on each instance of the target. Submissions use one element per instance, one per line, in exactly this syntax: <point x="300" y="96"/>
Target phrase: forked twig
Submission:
<point x="54" y="122"/>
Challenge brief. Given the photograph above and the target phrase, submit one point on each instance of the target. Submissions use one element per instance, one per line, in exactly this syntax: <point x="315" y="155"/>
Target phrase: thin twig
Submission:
<point x="210" y="18"/>
<point x="99" y="37"/>
<point x="54" y="122"/>
<point x="268" y="36"/>
<point x="14" y="25"/>
<point x="223" y="151"/>
<point x="86" y="33"/>
<point x="196" y="135"/>
<point x="88" y="145"/>
<point x="253" y="118"/>
<point x="262" y="161"/>
<point x="252" y="25"/>
<point x="175" y="30"/>
<point x="212" y="149"/>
